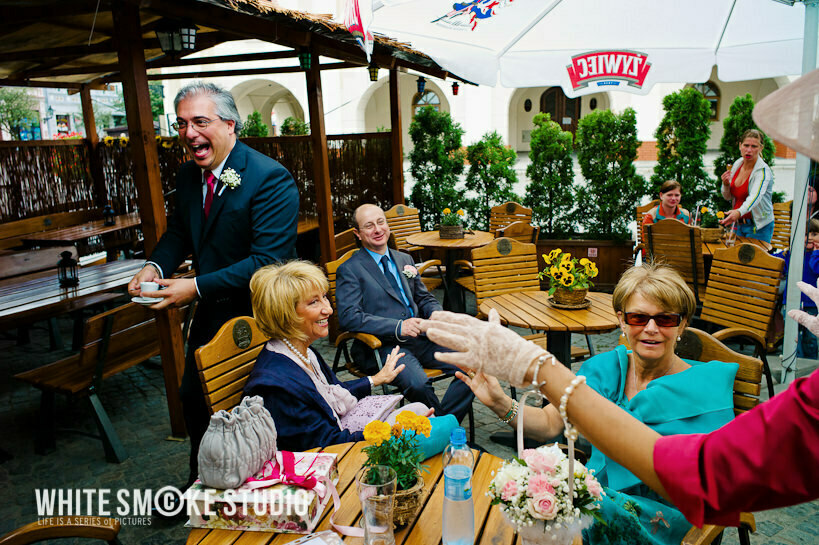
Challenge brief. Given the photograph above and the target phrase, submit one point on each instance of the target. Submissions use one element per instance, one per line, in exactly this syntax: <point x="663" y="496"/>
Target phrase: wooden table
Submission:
<point x="708" y="248"/>
<point x="38" y="296"/>
<point x="80" y="234"/>
<point x="531" y="309"/>
<point x="453" y="248"/>
<point x="490" y="526"/>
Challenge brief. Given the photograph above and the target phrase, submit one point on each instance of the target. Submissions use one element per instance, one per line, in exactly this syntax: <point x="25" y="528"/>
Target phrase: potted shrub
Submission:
<point x="491" y="176"/>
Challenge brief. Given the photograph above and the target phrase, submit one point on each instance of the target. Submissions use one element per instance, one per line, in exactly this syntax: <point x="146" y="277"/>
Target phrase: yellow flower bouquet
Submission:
<point x="710" y="219"/>
<point x="565" y="271"/>
<point x="452" y="218"/>
<point x="397" y="446"/>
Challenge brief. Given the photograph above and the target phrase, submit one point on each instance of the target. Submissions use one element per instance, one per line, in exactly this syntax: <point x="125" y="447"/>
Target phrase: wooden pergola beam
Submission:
<point x="395" y="140"/>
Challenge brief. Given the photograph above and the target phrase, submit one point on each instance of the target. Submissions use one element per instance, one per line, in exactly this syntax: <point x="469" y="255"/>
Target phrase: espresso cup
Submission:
<point x="148" y="286"/>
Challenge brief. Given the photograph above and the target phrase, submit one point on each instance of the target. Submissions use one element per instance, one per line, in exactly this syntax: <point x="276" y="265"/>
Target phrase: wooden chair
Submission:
<point x="81" y="527"/>
<point x="679" y="246"/>
<point x="112" y="342"/>
<point x="781" y="239"/>
<point x="697" y="345"/>
<point x="346" y="241"/>
<point x="639" y="212"/>
<point x="404" y="221"/>
<point x="507" y="213"/>
<point x="520" y="231"/>
<point x="225" y="363"/>
<point x="373" y="343"/>
<point x="742" y="296"/>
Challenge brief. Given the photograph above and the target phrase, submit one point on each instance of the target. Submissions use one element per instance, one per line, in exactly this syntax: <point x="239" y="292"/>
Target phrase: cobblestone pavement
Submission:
<point x="135" y="401"/>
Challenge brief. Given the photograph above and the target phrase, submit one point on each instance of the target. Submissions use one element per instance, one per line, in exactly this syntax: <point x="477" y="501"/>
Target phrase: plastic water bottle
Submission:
<point x="459" y="509"/>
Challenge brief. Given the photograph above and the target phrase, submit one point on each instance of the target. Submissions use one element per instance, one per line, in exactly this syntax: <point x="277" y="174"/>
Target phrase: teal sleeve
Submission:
<point x="438" y="436"/>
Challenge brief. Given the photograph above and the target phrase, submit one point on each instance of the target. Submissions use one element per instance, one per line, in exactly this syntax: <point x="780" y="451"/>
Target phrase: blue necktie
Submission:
<point x="385" y="264"/>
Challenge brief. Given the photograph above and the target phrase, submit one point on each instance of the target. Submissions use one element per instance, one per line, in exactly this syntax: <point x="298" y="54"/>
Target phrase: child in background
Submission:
<point x="806" y="346"/>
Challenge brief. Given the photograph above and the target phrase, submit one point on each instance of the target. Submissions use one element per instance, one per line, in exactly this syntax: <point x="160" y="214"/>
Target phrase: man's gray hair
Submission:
<point x="225" y="105"/>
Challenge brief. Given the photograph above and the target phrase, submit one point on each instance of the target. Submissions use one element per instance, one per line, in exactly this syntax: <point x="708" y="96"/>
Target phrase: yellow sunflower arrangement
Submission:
<point x="710" y="219"/>
<point x="397" y="446"/>
<point x="568" y="272"/>
<point x="452" y="218"/>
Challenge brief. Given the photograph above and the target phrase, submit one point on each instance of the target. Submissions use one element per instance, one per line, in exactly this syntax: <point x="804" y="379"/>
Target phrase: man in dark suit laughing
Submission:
<point x="236" y="210"/>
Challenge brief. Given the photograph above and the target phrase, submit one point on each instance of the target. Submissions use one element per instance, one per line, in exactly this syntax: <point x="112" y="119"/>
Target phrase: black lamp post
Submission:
<point x="175" y="37"/>
<point x="109" y="216"/>
<point x="373" y="70"/>
<point x="422" y="83"/>
<point x="67" y="270"/>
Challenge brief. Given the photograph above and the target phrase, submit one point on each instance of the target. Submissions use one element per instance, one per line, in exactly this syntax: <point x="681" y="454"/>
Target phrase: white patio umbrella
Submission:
<point x="588" y="46"/>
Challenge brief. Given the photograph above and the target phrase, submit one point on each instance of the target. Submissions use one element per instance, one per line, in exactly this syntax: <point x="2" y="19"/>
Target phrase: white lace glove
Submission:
<point x="482" y="346"/>
<point x="805" y="319"/>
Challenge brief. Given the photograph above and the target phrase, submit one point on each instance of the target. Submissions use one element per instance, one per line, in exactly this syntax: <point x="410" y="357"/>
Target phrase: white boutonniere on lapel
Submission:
<point x="410" y="271"/>
<point x="229" y="178"/>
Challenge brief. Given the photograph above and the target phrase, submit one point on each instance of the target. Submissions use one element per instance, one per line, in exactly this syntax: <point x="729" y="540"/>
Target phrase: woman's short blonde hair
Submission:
<point x="275" y="290"/>
<point x="658" y="283"/>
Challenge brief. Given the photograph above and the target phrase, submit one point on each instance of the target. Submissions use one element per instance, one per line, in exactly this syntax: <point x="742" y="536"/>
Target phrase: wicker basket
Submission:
<point x="407" y="503"/>
<point x="451" y="231"/>
<point x="710" y="234"/>
<point x="570" y="297"/>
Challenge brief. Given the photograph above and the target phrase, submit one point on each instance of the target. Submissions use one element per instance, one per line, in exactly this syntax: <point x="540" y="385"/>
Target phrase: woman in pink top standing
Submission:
<point x="749" y="186"/>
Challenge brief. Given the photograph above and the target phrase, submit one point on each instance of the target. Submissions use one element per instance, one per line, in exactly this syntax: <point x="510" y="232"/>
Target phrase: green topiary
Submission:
<point x="550" y="193"/>
<point x="294" y="127"/>
<point x="436" y="160"/>
<point x="606" y="149"/>
<point x="682" y="140"/>
<point x="491" y="176"/>
<point x="254" y="126"/>
<point x="738" y="121"/>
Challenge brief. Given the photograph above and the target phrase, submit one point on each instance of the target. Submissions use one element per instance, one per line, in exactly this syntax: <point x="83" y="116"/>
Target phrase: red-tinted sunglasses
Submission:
<point x="662" y="320"/>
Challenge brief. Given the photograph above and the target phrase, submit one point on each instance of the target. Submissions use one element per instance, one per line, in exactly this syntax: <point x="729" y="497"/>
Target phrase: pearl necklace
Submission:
<point x="301" y="356"/>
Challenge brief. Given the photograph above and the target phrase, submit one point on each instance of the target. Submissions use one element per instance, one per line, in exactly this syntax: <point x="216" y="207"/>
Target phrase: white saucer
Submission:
<point x="146" y="300"/>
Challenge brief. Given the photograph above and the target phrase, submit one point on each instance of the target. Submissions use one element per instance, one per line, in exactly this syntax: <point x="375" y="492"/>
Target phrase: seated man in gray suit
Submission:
<point x="379" y="292"/>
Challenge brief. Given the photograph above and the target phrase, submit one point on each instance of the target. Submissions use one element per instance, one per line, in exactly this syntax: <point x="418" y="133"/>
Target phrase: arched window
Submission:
<point x="427" y="98"/>
<point x="711" y="93"/>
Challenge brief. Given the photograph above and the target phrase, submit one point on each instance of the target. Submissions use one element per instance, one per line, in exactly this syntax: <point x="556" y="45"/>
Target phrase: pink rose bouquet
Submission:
<point x="533" y="490"/>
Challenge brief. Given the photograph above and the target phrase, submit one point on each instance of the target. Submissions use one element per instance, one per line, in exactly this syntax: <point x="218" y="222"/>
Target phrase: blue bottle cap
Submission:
<point x="458" y="436"/>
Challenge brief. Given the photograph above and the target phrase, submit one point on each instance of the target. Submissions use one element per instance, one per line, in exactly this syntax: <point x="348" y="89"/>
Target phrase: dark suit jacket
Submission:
<point x="367" y="303"/>
<point x="248" y="227"/>
<point x="303" y="419"/>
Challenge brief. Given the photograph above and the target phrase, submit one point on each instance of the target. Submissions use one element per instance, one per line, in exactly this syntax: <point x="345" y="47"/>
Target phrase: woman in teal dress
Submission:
<point x="669" y="394"/>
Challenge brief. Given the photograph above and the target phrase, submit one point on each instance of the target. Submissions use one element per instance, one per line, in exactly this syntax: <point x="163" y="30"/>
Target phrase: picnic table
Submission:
<point x="81" y="234"/>
<point x="708" y="248"/>
<point x="490" y="526"/>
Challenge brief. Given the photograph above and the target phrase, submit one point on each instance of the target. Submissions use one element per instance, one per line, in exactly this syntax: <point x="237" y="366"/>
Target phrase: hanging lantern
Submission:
<point x="373" y="70"/>
<point x="175" y="37"/>
<point x="305" y="59"/>
<point x="67" y="270"/>
<point x="109" y="216"/>
<point x="422" y="83"/>
<point x="455" y="88"/>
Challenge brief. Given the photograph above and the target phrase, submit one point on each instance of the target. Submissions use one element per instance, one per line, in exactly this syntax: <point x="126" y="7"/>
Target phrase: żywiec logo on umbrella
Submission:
<point x="608" y="68"/>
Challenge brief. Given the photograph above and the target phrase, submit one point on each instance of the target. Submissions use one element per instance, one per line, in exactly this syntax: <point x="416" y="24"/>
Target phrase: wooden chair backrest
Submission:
<point x="29" y="261"/>
<point x="520" y="231"/>
<point x="698" y="345"/>
<point x="742" y="288"/>
<point x="639" y="212"/>
<point x="346" y="241"/>
<point x="225" y="363"/>
<point x="509" y="212"/>
<point x="679" y="246"/>
<point x="504" y="266"/>
<point x="781" y="239"/>
<point x="12" y="232"/>
<point x="403" y="221"/>
<point x="331" y="268"/>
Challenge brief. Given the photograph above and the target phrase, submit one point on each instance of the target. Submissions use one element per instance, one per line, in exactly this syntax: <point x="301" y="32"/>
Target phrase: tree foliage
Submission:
<point x="436" y="161"/>
<point x="16" y="106"/>
<point x="157" y="94"/>
<point x="682" y="140"/>
<point x="606" y="149"/>
<point x="738" y="121"/>
<point x="254" y="126"/>
<point x="294" y="127"/>
<point x="491" y="177"/>
<point x="550" y="193"/>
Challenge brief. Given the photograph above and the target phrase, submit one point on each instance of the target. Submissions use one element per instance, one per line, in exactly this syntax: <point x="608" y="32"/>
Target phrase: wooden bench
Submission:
<point x="112" y="342"/>
<point x="12" y="232"/>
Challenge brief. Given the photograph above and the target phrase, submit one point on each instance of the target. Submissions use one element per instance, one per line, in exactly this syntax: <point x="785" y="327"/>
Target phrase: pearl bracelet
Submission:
<point x="540" y="361"/>
<point x="513" y="412"/>
<point x="571" y="432"/>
